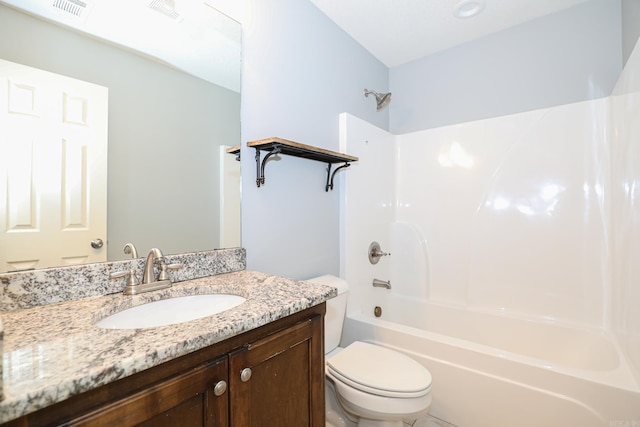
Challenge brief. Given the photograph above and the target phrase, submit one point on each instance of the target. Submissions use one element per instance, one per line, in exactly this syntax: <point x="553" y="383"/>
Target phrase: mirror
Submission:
<point x="173" y="110"/>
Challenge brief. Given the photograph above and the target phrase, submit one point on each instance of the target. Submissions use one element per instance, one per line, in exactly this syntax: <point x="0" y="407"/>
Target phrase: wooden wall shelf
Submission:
<point x="275" y="145"/>
<point x="234" y="150"/>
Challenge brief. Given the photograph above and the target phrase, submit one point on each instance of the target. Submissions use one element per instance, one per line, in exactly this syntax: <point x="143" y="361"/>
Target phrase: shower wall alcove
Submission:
<point x="514" y="242"/>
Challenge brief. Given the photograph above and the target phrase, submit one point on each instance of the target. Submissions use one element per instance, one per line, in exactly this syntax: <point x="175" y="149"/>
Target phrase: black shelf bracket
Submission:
<point x="329" y="185"/>
<point x="260" y="166"/>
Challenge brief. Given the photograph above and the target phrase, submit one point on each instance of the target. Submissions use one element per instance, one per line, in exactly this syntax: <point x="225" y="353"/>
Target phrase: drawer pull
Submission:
<point x="220" y="388"/>
<point x="245" y="375"/>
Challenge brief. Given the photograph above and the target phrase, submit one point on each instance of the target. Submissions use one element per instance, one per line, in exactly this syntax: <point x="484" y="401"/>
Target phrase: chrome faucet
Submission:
<point x="155" y="255"/>
<point x="149" y="280"/>
<point x="130" y="248"/>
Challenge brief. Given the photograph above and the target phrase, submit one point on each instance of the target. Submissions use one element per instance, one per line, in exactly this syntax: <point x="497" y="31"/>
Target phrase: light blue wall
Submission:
<point x="299" y="72"/>
<point x="630" y="26"/>
<point x="567" y="57"/>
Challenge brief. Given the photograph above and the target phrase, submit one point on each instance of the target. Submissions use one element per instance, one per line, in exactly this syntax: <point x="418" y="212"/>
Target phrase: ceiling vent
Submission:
<point x="75" y="8"/>
<point x="166" y="7"/>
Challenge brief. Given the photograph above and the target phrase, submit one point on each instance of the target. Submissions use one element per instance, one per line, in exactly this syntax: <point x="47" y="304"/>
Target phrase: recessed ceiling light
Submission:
<point x="468" y="8"/>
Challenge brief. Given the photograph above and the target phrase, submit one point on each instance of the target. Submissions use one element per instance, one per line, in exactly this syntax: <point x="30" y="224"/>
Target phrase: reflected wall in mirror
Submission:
<point x="167" y="130"/>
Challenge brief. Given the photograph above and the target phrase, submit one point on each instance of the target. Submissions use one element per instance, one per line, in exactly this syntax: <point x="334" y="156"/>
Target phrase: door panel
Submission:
<point x="187" y="399"/>
<point x="286" y="385"/>
<point x="53" y="176"/>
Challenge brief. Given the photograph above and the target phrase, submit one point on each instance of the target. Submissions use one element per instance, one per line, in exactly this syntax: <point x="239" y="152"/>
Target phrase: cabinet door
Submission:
<point x="187" y="399"/>
<point x="279" y="380"/>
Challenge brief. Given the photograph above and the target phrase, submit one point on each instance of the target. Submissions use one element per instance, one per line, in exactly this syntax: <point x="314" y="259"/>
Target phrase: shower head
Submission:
<point x="382" y="99"/>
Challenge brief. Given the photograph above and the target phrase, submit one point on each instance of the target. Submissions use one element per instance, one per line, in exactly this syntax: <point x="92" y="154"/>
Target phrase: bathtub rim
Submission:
<point x="620" y="378"/>
<point x="603" y="401"/>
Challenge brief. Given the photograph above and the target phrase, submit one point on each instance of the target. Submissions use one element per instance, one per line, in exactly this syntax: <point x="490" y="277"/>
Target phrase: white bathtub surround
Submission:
<point x="625" y="167"/>
<point x="515" y="244"/>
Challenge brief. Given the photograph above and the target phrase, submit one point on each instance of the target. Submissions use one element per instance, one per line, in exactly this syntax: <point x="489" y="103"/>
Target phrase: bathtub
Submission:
<point x="494" y="370"/>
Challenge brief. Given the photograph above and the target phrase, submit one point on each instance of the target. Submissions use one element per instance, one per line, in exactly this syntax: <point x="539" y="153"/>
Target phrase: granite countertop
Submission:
<point x="53" y="352"/>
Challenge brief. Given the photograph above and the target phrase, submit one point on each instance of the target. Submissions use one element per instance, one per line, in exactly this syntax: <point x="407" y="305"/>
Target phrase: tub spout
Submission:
<point x="377" y="283"/>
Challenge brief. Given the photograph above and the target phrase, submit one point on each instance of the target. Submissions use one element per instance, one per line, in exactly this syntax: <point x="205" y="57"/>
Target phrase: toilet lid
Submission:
<point x="379" y="370"/>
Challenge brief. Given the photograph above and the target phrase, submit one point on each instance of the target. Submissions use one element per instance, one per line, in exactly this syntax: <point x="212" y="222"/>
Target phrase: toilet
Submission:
<point x="373" y="385"/>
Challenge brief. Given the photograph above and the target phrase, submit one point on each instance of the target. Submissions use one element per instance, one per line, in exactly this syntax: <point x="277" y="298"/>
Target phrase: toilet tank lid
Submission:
<point x="330" y="280"/>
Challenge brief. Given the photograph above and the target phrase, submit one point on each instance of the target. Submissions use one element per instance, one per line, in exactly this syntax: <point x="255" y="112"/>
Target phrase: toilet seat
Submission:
<point x="380" y="371"/>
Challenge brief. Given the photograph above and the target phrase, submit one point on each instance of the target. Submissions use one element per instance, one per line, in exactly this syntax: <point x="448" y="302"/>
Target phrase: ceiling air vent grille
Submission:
<point x="73" y="7"/>
<point x="167" y="8"/>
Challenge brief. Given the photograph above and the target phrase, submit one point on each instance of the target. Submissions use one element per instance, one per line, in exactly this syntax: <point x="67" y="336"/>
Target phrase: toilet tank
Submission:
<point x="336" y="310"/>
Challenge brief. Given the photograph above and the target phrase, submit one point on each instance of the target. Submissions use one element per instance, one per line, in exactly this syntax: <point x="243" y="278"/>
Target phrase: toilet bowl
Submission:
<point x="379" y="386"/>
<point x="374" y="385"/>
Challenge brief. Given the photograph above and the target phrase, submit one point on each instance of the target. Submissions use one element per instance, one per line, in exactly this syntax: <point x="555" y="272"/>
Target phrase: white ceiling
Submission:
<point x="394" y="31"/>
<point x="400" y="31"/>
<point x="201" y="41"/>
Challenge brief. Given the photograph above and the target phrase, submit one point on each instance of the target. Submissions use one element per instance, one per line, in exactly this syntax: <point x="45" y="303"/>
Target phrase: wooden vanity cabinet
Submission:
<point x="271" y="380"/>
<point x="186" y="399"/>
<point x="274" y="376"/>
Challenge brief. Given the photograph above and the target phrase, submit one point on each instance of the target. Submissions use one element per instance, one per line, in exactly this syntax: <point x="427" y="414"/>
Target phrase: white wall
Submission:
<point x="625" y="129"/>
<point x="299" y="72"/>
<point x="367" y="209"/>
<point x="571" y="56"/>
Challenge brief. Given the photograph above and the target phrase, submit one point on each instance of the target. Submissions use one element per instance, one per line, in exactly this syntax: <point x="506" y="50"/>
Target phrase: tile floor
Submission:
<point x="429" y="421"/>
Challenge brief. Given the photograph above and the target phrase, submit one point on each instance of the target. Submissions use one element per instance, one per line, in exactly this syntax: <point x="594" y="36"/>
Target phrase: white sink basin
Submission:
<point x="170" y="311"/>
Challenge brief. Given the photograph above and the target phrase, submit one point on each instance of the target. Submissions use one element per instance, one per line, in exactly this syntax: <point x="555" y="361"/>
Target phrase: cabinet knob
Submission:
<point x="245" y="375"/>
<point x="220" y="388"/>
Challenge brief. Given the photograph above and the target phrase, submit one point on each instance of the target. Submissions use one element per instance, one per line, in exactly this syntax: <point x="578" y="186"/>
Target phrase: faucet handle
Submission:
<point x="132" y="280"/>
<point x="176" y="266"/>
<point x="163" y="275"/>
<point x="375" y="253"/>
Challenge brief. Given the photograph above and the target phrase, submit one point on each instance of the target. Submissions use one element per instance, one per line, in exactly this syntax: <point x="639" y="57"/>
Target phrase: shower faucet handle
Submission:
<point x="375" y="253"/>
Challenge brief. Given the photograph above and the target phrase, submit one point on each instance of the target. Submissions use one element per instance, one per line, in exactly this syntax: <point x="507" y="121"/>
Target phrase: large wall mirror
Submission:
<point x="173" y="86"/>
